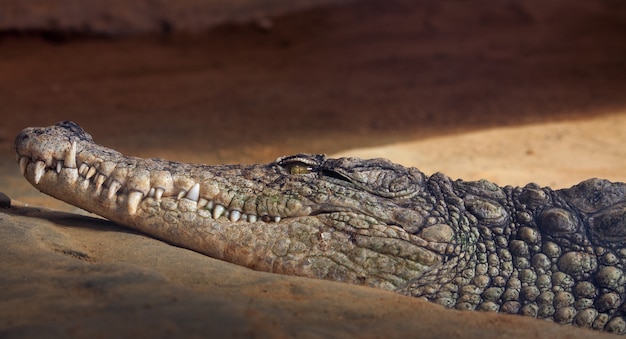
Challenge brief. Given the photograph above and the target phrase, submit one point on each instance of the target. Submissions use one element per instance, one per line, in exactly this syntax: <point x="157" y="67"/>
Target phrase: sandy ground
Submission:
<point x="516" y="92"/>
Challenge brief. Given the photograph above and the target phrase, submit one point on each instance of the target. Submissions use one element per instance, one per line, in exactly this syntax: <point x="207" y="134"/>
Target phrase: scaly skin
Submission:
<point x="558" y="255"/>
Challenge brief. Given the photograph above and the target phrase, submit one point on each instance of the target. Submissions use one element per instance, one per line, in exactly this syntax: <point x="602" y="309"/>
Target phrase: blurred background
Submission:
<point x="246" y="81"/>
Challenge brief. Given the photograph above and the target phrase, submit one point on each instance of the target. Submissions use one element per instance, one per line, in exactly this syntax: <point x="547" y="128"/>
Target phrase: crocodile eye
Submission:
<point x="298" y="168"/>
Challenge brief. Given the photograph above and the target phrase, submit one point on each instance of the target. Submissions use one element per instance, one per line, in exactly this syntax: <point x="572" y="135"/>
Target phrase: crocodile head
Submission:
<point x="370" y="222"/>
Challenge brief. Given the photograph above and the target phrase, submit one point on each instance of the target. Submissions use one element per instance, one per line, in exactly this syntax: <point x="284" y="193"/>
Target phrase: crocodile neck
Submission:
<point x="548" y="254"/>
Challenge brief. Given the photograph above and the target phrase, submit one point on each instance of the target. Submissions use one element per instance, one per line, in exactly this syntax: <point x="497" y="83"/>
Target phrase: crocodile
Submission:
<point x="551" y="254"/>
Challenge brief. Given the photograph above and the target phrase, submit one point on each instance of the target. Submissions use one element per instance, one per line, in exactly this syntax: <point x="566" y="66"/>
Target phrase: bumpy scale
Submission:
<point x="557" y="255"/>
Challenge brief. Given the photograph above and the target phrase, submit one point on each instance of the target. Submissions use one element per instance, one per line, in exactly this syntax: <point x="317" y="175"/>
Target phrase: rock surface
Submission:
<point x="65" y="275"/>
<point x="362" y="75"/>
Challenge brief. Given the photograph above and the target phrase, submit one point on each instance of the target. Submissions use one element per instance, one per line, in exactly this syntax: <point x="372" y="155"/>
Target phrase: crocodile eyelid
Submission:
<point x="299" y="168"/>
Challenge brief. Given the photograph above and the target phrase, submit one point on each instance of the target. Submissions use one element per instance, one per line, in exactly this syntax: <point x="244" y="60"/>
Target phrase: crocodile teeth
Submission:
<point x="23" y="164"/>
<point x="193" y="193"/>
<point x="70" y="156"/>
<point x="218" y="211"/>
<point x="158" y="193"/>
<point x="202" y="202"/>
<point x="234" y="216"/>
<point x="82" y="170"/>
<point x="91" y="172"/>
<point x="134" y="198"/>
<point x="113" y="188"/>
<point x="40" y="169"/>
<point x="100" y="178"/>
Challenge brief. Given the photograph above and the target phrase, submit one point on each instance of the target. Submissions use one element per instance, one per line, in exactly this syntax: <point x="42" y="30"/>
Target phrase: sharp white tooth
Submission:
<point x="134" y="198"/>
<point x="194" y="193"/>
<point x="158" y="193"/>
<point x="218" y="211"/>
<point x="82" y="170"/>
<point x="276" y="219"/>
<point x="23" y="164"/>
<point x="234" y="215"/>
<point x="113" y="188"/>
<point x="100" y="178"/>
<point x="181" y="194"/>
<point x="70" y="156"/>
<point x="40" y="169"/>
<point x="151" y="192"/>
<point x="59" y="166"/>
<point x="91" y="172"/>
<point x="251" y="218"/>
<point x="210" y="204"/>
<point x="202" y="202"/>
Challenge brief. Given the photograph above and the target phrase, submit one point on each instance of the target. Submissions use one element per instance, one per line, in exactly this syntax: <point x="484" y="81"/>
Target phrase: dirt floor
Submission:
<point x="513" y="92"/>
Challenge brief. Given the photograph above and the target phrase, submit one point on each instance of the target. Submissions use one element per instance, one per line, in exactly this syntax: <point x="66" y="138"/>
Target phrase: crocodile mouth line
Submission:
<point x="97" y="182"/>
